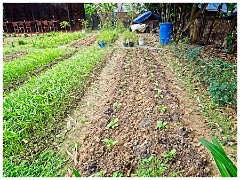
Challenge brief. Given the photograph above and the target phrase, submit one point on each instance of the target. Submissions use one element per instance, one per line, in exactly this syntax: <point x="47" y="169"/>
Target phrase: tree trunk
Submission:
<point x="213" y="21"/>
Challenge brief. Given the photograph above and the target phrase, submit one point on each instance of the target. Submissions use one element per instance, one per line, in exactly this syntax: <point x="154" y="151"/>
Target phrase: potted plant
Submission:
<point x="129" y="38"/>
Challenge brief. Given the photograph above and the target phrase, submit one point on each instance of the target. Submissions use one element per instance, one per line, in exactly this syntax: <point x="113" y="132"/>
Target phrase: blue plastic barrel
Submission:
<point x="165" y="33"/>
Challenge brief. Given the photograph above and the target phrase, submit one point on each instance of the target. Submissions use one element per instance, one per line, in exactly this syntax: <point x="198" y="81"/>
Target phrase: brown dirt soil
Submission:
<point x="132" y="78"/>
<point x="87" y="41"/>
<point x="14" y="56"/>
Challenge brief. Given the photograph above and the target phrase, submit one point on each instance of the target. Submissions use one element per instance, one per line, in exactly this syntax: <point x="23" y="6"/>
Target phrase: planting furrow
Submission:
<point x="37" y="70"/>
<point x="87" y="41"/>
<point x="18" y="71"/>
<point x="33" y="112"/>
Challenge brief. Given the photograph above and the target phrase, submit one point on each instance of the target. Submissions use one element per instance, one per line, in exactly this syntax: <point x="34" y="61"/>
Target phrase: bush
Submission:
<point x="107" y="36"/>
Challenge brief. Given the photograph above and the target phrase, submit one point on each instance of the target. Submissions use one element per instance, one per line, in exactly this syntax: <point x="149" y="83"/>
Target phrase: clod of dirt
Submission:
<point x="182" y="131"/>
<point x="92" y="167"/>
<point x="109" y="111"/>
<point x="145" y="123"/>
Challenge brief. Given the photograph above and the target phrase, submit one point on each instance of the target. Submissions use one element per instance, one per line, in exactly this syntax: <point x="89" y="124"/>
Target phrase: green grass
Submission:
<point x="18" y="69"/>
<point x="48" y="164"/>
<point x="34" y="111"/>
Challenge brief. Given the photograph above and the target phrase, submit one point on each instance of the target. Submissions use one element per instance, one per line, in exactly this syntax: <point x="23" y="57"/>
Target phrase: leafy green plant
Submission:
<point x="162" y="125"/>
<point x="107" y="36"/>
<point x="37" y="33"/>
<point x="155" y="167"/>
<point x="76" y="173"/>
<point x="117" y="174"/>
<point x="162" y="108"/>
<point x="84" y="23"/>
<point x="129" y="36"/>
<point x="117" y="105"/>
<point x="224" y="164"/>
<point x="113" y="123"/>
<point x="12" y="45"/>
<point x="64" y="25"/>
<point x="101" y="173"/>
<point x="4" y="35"/>
<point x="109" y="143"/>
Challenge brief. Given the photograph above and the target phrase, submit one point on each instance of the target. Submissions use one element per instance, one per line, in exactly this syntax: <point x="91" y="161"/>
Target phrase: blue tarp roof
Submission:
<point x="147" y="15"/>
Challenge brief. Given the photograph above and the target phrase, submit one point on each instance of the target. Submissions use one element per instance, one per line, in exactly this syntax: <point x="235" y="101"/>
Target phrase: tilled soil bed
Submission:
<point x="86" y="41"/>
<point x="136" y="80"/>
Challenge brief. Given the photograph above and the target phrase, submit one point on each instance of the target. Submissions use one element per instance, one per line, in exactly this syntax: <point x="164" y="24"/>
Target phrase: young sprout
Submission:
<point x="159" y="93"/>
<point x="117" y="105"/>
<point x="113" y="123"/>
<point x="162" y="108"/>
<point x="109" y="142"/>
<point x="162" y="125"/>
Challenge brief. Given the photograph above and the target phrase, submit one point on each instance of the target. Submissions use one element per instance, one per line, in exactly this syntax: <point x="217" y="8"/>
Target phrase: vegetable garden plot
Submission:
<point x="32" y="113"/>
<point x="132" y="113"/>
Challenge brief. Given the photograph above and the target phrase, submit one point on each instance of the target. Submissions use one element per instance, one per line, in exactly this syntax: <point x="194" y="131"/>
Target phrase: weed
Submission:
<point x="4" y="35"/>
<point x="113" y="123"/>
<point x="37" y="33"/>
<point x="169" y="155"/>
<point x="117" y="105"/>
<point x="12" y="45"/>
<point x="109" y="143"/>
<point x="162" y="125"/>
<point x="155" y="167"/>
<point x="14" y="35"/>
<point x="21" y="42"/>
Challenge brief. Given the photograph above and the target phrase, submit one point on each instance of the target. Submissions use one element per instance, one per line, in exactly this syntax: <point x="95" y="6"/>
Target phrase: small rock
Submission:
<point x="138" y="97"/>
<point x="182" y="131"/>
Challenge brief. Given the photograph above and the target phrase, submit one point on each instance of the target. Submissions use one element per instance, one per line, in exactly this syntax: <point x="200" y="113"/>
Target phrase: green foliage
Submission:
<point x="129" y="36"/>
<point x="100" y="173"/>
<point x="37" y="33"/>
<point x="33" y="111"/>
<point x="12" y="45"/>
<point x="90" y="8"/>
<point x="117" y="105"/>
<point x="224" y="164"/>
<point x="48" y="164"/>
<point x="64" y="25"/>
<point x="117" y="174"/>
<point x="25" y="35"/>
<point x="162" y="108"/>
<point x="113" y="123"/>
<point x="109" y="143"/>
<point x="162" y="125"/>
<point x="21" y="42"/>
<point x="14" y="35"/>
<point x="218" y="75"/>
<point x="159" y="93"/>
<point x="107" y="36"/>
<point x="84" y="23"/>
<point x="155" y="167"/>
<point x="119" y="26"/>
<point x="231" y="41"/>
<point x="20" y="68"/>
<point x="106" y="25"/>
<point x="76" y="173"/>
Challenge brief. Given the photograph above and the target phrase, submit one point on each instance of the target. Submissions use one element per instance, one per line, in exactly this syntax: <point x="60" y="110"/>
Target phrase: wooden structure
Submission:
<point x="33" y="17"/>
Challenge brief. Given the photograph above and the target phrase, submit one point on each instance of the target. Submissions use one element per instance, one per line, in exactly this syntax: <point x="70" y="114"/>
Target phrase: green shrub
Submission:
<point x="107" y="36"/>
<point x="130" y="36"/>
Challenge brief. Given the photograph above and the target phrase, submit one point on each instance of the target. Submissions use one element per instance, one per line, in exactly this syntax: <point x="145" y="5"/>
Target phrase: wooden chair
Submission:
<point x="28" y="26"/>
<point x="51" y="25"/>
<point x="39" y="26"/>
<point x="21" y="27"/>
<point x="45" y="26"/>
<point x="5" y="27"/>
<point x="15" y="27"/>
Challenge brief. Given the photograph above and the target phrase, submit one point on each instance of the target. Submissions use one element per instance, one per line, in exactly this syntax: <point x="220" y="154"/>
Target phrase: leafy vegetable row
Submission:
<point x="33" y="112"/>
<point x="20" y="68"/>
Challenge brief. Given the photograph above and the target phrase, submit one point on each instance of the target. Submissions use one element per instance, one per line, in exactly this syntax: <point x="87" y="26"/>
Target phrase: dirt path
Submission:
<point x="139" y="81"/>
<point x="87" y="41"/>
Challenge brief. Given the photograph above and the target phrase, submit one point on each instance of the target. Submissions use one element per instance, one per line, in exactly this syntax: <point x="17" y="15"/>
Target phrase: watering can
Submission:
<point x="101" y="44"/>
